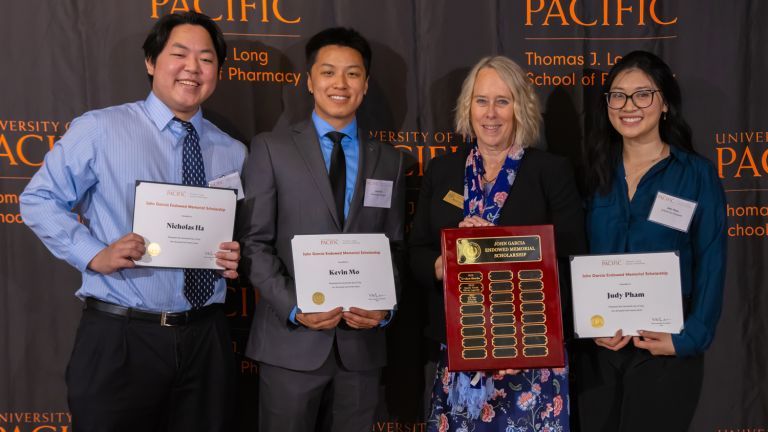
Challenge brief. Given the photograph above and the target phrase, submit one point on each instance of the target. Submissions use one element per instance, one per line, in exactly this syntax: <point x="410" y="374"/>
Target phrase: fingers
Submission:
<point x="230" y="274"/>
<point x="372" y="314"/>
<point x="229" y="251"/>
<point x="655" y="342"/>
<point x="230" y="246"/>
<point x="229" y="258"/>
<point x="439" y="268"/>
<point x="228" y="264"/>
<point x="647" y="334"/>
<point x="614" y="343"/>
<point x="233" y="257"/>
<point x="474" y="221"/>
<point x="122" y="263"/>
<point x="131" y="237"/>
<point x="318" y="325"/>
<point x="363" y="319"/>
<point x="503" y="372"/>
<point x="624" y="341"/>
<point x="320" y="320"/>
<point x="119" y="255"/>
<point x="130" y="245"/>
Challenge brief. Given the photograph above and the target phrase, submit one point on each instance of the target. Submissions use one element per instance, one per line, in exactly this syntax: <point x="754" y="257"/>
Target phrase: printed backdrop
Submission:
<point x="62" y="58"/>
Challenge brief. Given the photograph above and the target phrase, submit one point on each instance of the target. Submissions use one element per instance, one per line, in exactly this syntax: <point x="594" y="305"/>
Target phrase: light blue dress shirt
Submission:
<point x="351" y="146"/>
<point x="92" y="172"/>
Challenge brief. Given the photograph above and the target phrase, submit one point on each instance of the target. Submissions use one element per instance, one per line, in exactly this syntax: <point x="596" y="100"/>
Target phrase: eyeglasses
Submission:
<point x="641" y="98"/>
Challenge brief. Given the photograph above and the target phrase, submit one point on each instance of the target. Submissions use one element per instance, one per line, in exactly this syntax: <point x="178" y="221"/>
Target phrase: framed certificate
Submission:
<point x="182" y="225"/>
<point x="502" y="298"/>
<point x="630" y="292"/>
<point x="346" y="270"/>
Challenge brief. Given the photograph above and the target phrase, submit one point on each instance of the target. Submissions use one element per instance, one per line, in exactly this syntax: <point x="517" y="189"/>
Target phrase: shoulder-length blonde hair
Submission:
<point x="526" y="103"/>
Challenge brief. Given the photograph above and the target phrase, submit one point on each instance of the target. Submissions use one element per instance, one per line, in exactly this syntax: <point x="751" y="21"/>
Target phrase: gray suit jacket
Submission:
<point x="287" y="193"/>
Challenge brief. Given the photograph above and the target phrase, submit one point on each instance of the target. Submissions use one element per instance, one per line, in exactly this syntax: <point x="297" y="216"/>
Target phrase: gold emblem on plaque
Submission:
<point x="469" y="251"/>
<point x="597" y="321"/>
<point x="153" y="249"/>
<point x="318" y="298"/>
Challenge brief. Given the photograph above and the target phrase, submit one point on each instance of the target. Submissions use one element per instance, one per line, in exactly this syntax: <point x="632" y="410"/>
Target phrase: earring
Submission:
<point x="665" y="116"/>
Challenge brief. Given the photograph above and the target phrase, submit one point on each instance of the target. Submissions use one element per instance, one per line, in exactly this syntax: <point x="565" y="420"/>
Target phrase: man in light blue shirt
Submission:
<point x="153" y="349"/>
<point x="318" y="371"/>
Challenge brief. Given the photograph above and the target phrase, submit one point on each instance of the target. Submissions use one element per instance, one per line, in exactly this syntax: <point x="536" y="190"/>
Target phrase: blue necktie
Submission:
<point x="198" y="283"/>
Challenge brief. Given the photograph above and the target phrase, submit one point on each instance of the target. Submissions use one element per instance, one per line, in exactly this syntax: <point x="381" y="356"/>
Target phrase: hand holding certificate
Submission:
<point x="343" y="270"/>
<point x="628" y="292"/>
<point x="183" y="226"/>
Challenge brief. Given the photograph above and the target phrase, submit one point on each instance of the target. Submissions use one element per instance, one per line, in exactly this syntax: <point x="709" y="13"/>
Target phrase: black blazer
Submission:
<point x="544" y="192"/>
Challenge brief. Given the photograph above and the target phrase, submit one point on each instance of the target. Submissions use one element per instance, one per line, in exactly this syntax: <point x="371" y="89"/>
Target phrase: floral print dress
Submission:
<point x="535" y="400"/>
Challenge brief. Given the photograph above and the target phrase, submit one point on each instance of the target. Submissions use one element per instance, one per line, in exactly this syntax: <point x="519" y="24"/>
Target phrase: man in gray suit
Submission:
<point x="318" y="370"/>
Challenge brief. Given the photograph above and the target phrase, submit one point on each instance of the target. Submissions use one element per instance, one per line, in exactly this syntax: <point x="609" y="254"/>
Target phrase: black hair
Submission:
<point x="603" y="146"/>
<point x="342" y="36"/>
<point x="161" y="31"/>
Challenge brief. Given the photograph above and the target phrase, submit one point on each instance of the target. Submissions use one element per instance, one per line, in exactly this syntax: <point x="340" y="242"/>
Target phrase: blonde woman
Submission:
<point x="503" y="180"/>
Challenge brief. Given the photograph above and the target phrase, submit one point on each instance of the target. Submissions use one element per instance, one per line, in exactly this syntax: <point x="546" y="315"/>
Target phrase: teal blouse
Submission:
<point x="617" y="225"/>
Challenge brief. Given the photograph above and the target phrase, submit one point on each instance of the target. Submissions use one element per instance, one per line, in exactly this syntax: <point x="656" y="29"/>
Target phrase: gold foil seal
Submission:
<point x="153" y="249"/>
<point x="318" y="298"/>
<point x="597" y="321"/>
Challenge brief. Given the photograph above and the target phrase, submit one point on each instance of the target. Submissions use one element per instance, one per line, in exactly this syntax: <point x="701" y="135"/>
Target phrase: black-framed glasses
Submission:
<point x="641" y="98"/>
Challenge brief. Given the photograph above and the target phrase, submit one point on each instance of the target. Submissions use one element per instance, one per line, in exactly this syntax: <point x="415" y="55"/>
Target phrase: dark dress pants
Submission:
<point x="331" y="398"/>
<point x="632" y="390"/>
<point x="131" y="375"/>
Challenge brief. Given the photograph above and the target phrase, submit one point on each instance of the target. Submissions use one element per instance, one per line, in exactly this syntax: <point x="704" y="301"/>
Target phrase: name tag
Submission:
<point x="229" y="181"/>
<point x="672" y="212"/>
<point x="454" y="199"/>
<point x="378" y="193"/>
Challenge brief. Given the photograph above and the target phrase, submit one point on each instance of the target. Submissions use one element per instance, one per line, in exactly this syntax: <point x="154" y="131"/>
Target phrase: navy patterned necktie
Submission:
<point x="338" y="172"/>
<point x="198" y="283"/>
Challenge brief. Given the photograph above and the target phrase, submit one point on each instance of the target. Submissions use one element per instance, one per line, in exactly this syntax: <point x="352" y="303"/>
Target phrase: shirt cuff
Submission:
<point x="292" y="316"/>
<point x="387" y="319"/>
<point x="82" y="253"/>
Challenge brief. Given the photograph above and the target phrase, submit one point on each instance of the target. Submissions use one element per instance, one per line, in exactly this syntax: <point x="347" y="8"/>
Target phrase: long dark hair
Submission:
<point x="603" y="146"/>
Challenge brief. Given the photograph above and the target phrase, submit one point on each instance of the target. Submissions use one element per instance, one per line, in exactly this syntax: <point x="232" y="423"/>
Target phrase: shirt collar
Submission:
<point x="323" y="127"/>
<point x="678" y="153"/>
<point x="162" y="116"/>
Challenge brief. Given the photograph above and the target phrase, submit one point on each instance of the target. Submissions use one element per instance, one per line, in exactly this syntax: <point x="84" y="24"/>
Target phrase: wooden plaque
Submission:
<point x="502" y="298"/>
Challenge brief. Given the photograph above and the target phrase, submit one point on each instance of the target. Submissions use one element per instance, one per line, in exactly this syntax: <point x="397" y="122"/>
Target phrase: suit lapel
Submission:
<point x="366" y="165"/>
<point x="305" y="139"/>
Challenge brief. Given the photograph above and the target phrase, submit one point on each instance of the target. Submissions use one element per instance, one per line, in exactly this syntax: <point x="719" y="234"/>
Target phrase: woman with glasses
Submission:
<point x="638" y="152"/>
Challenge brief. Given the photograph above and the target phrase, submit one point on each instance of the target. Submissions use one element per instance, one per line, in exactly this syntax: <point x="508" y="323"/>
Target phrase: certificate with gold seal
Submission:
<point x="502" y="298"/>
<point x="627" y="292"/>
<point x="182" y="225"/>
<point x="347" y="270"/>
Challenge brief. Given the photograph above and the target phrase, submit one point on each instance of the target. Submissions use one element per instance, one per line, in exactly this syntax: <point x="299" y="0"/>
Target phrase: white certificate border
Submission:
<point x="573" y="297"/>
<point x="133" y="215"/>
<point x="395" y="271"/>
